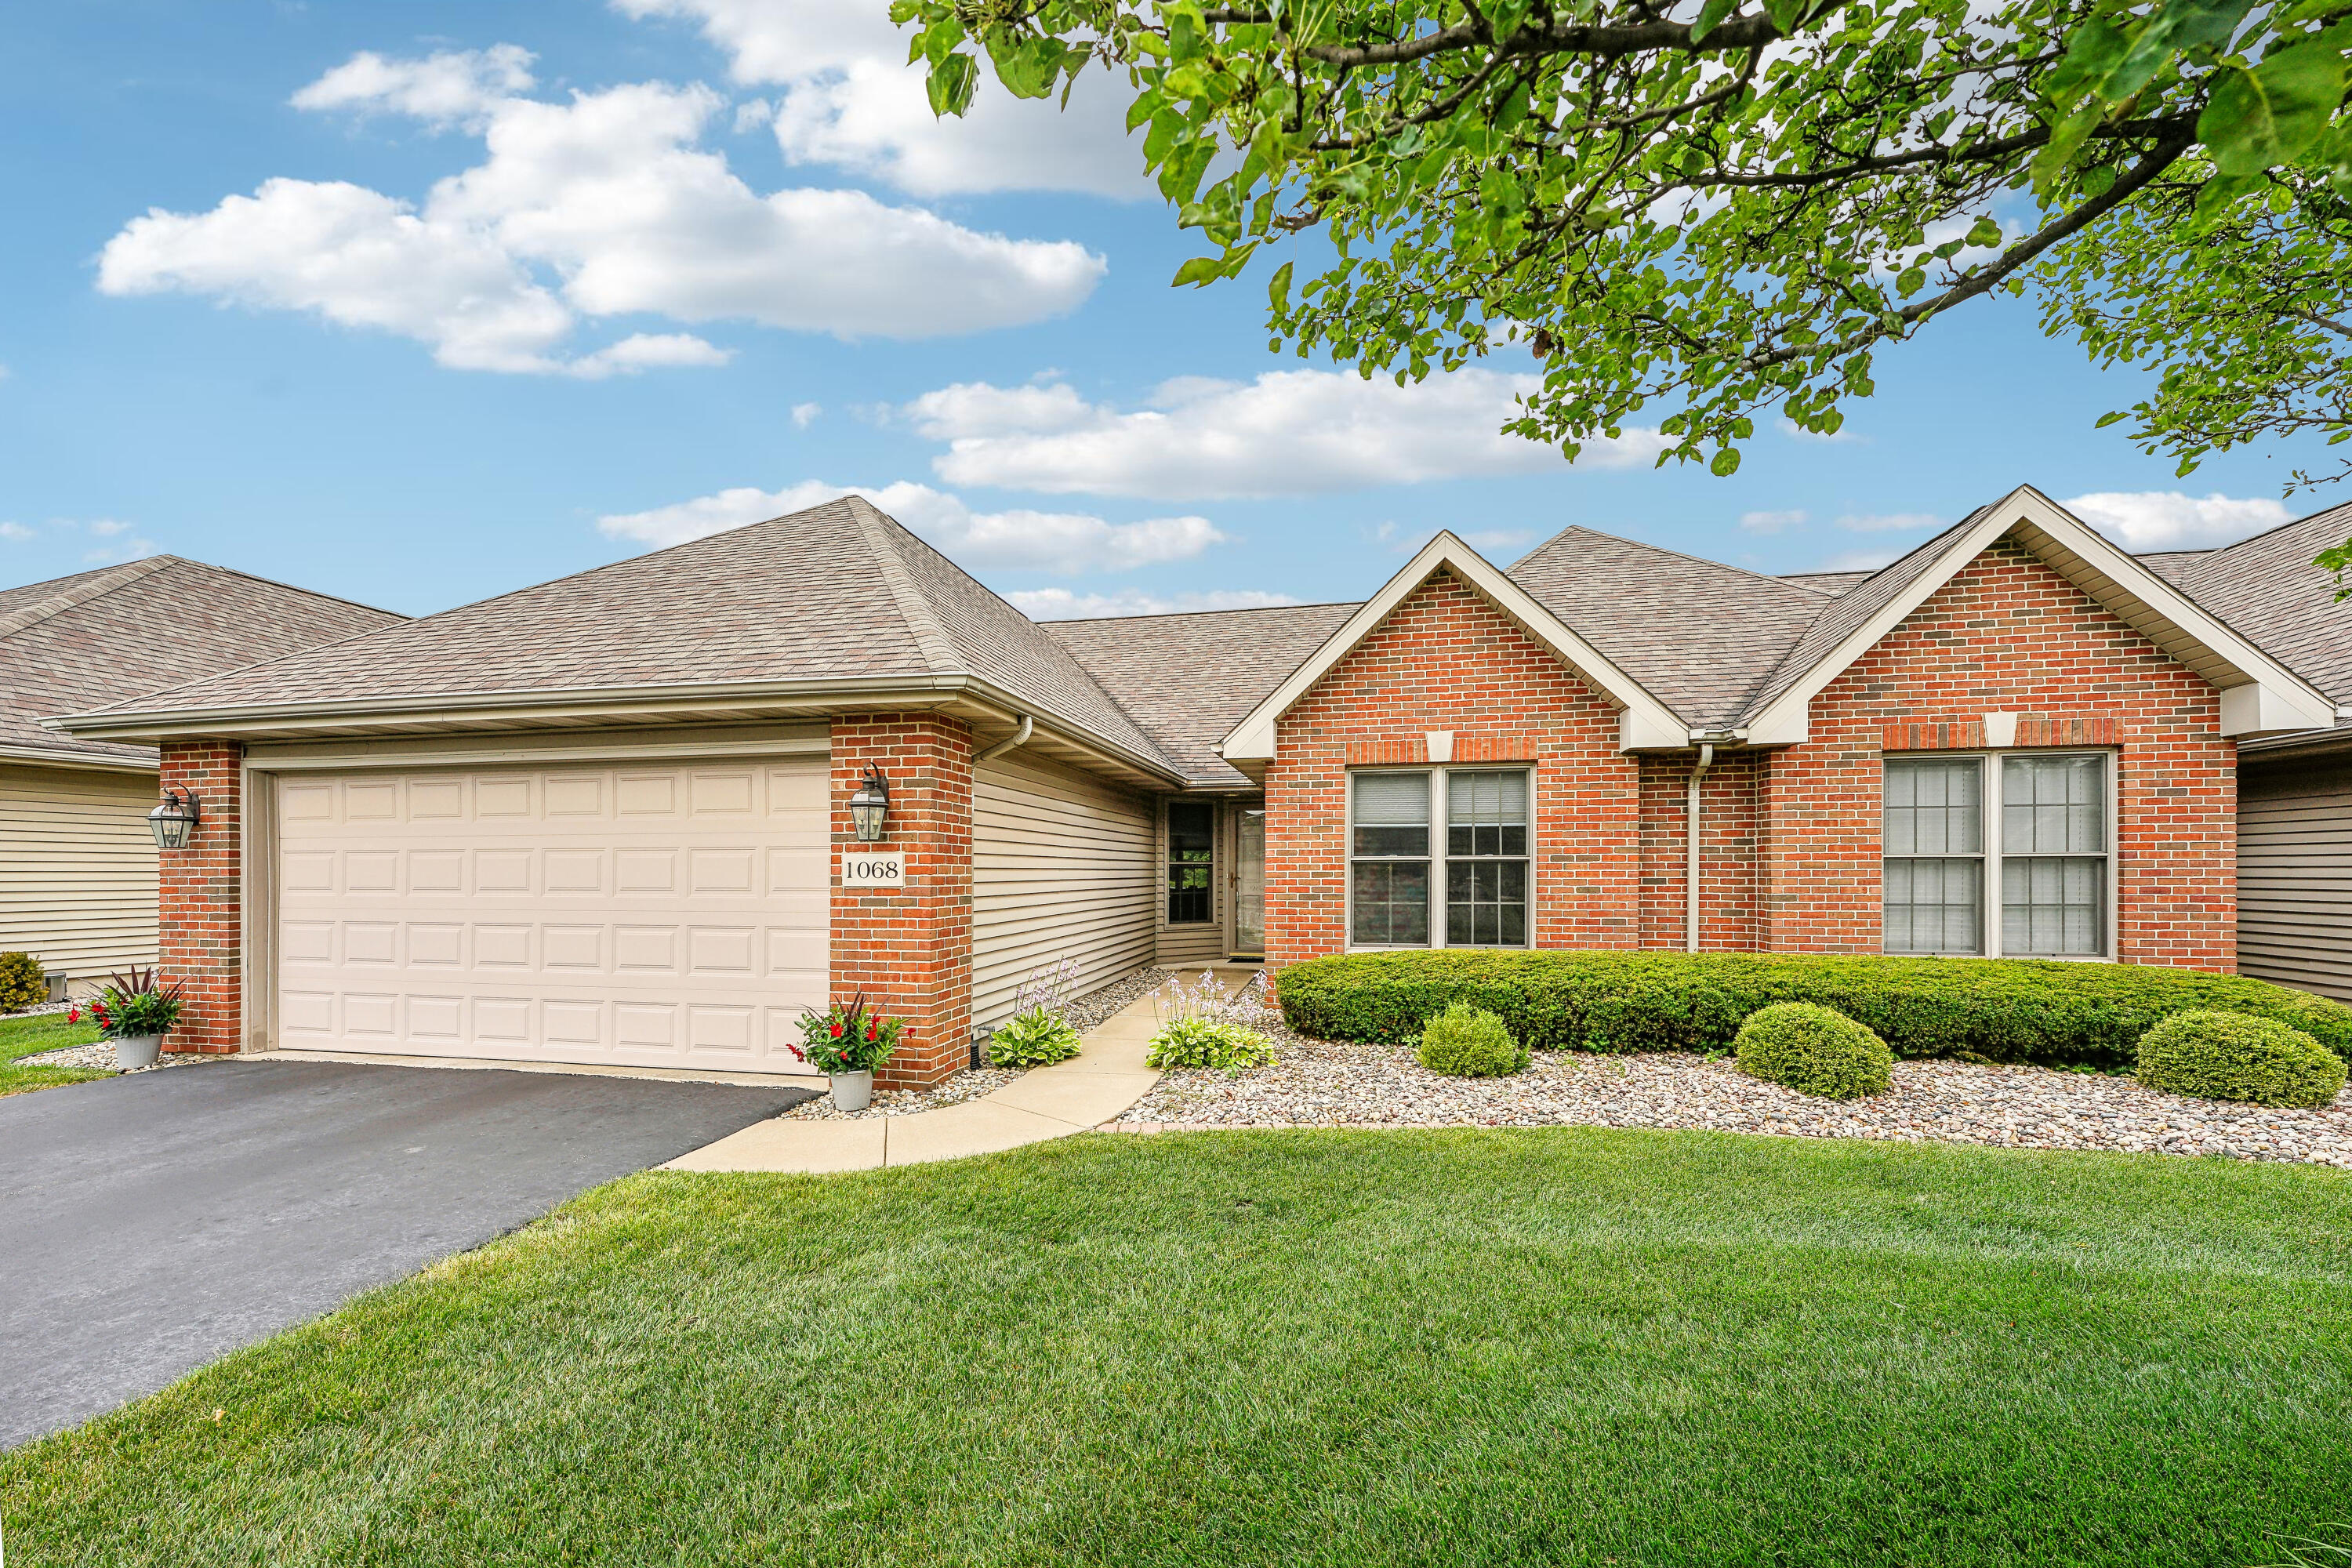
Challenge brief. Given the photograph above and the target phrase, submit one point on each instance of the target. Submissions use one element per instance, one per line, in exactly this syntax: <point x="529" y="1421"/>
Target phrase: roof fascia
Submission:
<point x="2263" y="697"/>
<point x="1642" y="722"/>
<point x="478" y="710"/>
<point x="35" y="757"/>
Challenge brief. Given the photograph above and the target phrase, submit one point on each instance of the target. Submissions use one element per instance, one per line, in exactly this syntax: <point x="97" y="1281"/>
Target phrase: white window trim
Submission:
<point x="1990" y="858"/>
<point x="1438" y="815"/>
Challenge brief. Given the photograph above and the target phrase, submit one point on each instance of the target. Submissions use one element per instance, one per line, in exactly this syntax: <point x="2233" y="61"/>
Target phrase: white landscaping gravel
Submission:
<point x="1319" y="1083"/>
<point x="101" y="1057"/>
<point x="1083" y="1012"/>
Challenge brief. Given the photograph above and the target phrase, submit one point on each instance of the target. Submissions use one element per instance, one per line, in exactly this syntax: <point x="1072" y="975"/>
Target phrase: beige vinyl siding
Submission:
<point x="1193" y="943"/>
<point x="1061" y="866"/>
<point x="77" y="869"/>
<point x="2294" y="877"/>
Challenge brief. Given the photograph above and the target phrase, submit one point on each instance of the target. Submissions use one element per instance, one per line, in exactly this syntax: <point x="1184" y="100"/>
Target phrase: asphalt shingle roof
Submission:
<point x="97" y="637"/>
<point x="838" y="591"/>
<point x="1188" y="680"/>
<point x="2267" y="588"/>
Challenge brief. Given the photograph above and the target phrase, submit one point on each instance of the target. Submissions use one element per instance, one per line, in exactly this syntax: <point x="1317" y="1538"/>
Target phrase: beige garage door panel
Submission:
<point x="672" y="915"/>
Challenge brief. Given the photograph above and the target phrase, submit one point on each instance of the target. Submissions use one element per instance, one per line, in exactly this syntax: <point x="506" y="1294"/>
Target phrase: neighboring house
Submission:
<point x="76" y="863"/>
<point x="606" y="819"/>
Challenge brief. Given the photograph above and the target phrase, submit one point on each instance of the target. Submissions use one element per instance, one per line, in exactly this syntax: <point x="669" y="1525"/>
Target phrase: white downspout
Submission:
<point x="1690" y="836"/>
<point x="1017" y="739"/>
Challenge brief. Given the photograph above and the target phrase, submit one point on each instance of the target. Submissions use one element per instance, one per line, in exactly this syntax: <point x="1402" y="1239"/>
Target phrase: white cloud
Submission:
<point x="15" y="533"/>
<point x="1771" y="522"/>
<point x="1065" y="543"/>
<point x="132" y="549"/>
<point x="453" y="88"/>
<point x="602" y="206"/>
<point x="2168" y="520"/>
<point x="804" y="415"/>
<point x="1489" y="542"/>
<point x="1858" y="561"/>
<point x="1061" y="604"/>
<point x="1797" y="432"/>
<point x="852" y="99"/>
<point x="1890" y="521"/>
<point x="107" y="527"/>
<point x="1288" y="433"/>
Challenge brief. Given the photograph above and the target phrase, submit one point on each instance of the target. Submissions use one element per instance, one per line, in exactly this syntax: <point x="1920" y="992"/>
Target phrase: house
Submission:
<point x="77" y="862"/>
<point x="609" y="818"/>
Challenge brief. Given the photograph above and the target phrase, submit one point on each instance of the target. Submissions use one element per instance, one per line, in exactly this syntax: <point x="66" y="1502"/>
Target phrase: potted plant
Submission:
<point x="135" y="1014"/>
<point x="847" y="1042"/>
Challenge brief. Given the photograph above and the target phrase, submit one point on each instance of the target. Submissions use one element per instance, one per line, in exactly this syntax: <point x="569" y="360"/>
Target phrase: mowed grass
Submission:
<point x="29" y="1037"/>
<point x="1571" y="1346"/>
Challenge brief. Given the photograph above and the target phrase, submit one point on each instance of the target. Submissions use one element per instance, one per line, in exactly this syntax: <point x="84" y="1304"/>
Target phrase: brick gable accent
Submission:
<point x="2009" y="635"/>
<point x="909" y="951"/>
<point x="200" y="926"/>
<point x="1445" y="659"/>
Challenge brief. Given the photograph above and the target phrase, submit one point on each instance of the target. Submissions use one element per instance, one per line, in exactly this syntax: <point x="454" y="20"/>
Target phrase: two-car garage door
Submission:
<point x="657" y="915"/>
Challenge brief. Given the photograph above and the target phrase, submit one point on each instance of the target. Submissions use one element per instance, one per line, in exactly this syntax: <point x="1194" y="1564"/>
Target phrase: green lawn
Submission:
<point x="30" y="1037"/>
<point x="1573" y="1346"/>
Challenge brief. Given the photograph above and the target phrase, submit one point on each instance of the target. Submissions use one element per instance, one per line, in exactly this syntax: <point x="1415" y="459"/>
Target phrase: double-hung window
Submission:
<point x="2048" y="855"/>
<point x="1459" y="835"/>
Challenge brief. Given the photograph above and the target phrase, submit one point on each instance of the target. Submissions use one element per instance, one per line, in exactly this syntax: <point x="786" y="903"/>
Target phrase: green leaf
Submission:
<point x="1785" y="14"/>
<point x="2262" y="118"/>
<point x="1725" y="463"/>
<point x="950" y="84"/>
<point x="1277" y="289"/>
<point x="1710" y="16"/>
<point x="2066" y="138"/>
<point x="1984" y="233"/>
<point x="1201" y="269"/>
<point x="2106" y="419"/>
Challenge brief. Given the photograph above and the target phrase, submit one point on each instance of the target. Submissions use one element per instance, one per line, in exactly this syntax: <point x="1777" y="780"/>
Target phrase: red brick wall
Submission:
<point x="1728" y="849"/>
<point x="200" y="899"/>
<point x="1445" y="659"/>
<point x="2008" y="635"/>
<point x="910" y="951"/>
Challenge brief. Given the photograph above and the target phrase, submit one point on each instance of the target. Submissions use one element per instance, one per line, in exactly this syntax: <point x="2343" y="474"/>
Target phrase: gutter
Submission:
<point x="1013" y="742"/>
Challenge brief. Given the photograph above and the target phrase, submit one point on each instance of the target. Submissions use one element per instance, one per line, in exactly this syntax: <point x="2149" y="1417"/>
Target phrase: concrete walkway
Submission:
<point x="1105" y="1077"/>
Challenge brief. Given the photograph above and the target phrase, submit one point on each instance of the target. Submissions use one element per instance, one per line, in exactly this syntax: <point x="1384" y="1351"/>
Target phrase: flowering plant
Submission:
<point x="131" y="1006"/>
<point x="1038" y="1033"/>
<point x="848" y="1036"/>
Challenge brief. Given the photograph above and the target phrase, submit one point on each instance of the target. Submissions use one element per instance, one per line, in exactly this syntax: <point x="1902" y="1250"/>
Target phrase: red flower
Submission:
<point x="871" y="1033"/>
<point x="837" y="1031"/>
<point x="74" y="1017"/>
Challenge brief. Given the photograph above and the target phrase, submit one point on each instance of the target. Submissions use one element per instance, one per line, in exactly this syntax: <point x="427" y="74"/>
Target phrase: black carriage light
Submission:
<point x="172" y="821"/>
<point x="869" y="809"/>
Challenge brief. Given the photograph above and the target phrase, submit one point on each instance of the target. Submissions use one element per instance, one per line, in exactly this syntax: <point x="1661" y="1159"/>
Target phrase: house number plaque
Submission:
<point x="873" y="868"/>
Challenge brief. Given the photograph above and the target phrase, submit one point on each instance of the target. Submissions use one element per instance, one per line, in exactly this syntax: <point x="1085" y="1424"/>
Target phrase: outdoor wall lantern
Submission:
<point x="869" y="809"/>
<point x="172" y="821"/>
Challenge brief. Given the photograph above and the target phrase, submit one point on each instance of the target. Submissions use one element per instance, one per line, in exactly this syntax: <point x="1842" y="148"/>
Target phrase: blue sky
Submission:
<point x="421" y="302"/>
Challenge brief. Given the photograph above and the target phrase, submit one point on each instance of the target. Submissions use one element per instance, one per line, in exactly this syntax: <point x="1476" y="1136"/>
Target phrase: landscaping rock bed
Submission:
<point x="1317" y="1083"/>
<point x="98" y="1057"/>
<point x="1083" y="1012"/>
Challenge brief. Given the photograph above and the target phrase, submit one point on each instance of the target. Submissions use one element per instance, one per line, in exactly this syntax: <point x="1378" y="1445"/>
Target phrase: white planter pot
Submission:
<point x="136" y="1050"/>
<point x="852" y="1090"/>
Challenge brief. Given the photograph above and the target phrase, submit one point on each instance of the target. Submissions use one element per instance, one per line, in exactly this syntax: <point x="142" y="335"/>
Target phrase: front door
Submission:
<point x="1249" y="885"/>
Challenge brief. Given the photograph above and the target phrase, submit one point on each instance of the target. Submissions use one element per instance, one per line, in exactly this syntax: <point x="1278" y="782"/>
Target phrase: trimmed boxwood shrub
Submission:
<point x="2003" y="1010"/>
<point x="22" y="984"/>
<point x="1468" y="1042"/>
<point x="2229" y="1056"/>
<point x="1813" y="1048"/>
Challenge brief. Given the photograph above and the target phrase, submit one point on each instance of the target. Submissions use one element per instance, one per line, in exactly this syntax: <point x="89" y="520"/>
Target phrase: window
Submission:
<point x="1481" y="861"/>
<point x="2050" y="858"/>
<point x="1192" y="844"/>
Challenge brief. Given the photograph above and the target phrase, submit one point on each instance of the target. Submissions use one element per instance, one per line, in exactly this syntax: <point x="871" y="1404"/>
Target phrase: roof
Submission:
<point x="1831" y="583"/>
<point x="1699" y="634"/>
<point x="2268" y="587"/>
<point x="1188" y="678"/>
<point x="100" y="636"/>
<point x="839" y="592"/>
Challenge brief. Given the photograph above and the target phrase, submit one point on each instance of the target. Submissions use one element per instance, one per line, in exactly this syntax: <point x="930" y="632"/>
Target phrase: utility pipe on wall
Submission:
<point x="1017" y="739"/>
<point x="1690" y="834"/>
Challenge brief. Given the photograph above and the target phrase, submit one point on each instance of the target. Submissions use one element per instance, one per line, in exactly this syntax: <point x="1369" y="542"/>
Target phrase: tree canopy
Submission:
<point x="1725" y="207"/>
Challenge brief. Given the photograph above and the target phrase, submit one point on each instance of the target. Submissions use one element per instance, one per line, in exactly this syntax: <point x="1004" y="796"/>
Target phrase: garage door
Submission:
<point x="668" y="915"/>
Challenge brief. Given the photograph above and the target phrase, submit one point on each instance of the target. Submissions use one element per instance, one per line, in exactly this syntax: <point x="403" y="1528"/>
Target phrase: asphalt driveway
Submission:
<point x="153" y="1222"/>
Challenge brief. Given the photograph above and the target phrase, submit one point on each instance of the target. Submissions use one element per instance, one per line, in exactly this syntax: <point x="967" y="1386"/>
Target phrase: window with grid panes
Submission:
<point x="1486" y="859"/>
<point x="2049" y="859"/>
<point x="1191" y="855"/>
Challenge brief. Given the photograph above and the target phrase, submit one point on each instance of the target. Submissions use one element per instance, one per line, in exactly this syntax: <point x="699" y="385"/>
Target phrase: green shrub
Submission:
<point x="1468" y="1042"/>
<point x="1816" y="1049"/>
<point x="2228" y="1055"/>
<point x="22" y="984"/>
<point x="1033" y="1037"/>
<point x="1209" y="1043"/>
<point x="2002" y="1010"/>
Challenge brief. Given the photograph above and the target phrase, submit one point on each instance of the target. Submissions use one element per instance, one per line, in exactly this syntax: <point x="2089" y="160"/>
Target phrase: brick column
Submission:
<point x="201" y="907"/>
<point x="909" y="951"/>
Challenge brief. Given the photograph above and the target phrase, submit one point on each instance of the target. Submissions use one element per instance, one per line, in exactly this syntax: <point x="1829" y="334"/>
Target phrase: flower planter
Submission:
<point x="852" y="1090"/>
<point x="136" y="1051"/>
